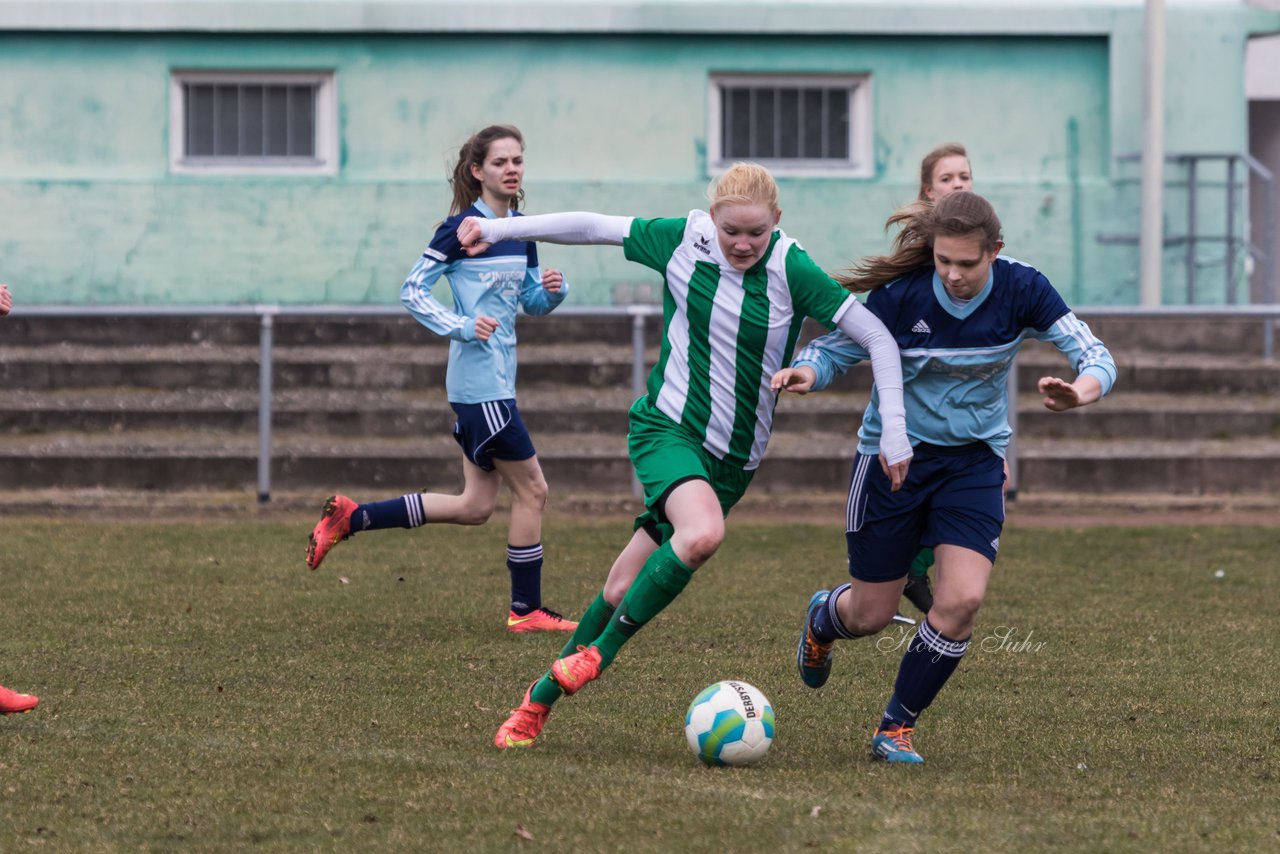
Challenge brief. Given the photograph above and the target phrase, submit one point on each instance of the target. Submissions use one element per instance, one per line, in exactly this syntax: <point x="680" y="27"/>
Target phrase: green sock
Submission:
<point x="546" y="690"/>
<point x="920" y="566"/>
<point x="660" y="581"/>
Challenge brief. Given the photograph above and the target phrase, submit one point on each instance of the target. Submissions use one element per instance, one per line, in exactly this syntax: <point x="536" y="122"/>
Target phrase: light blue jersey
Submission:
<point x="956" y="359"/>
<point x="497" y="283"/>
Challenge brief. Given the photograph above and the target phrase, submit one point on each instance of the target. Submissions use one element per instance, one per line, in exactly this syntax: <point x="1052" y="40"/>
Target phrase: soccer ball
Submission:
<point x="729" y="723"/>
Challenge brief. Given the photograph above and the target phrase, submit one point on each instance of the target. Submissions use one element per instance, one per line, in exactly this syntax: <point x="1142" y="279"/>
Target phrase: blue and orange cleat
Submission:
<point x="813" y="657"/>
<point x="893" y="744"/>
<point x="539" y="620"/>
<point x="524" y="725"/>
<point x="13" y="703"/>
<point x="574" y="671"/>
<point x="334" y="527"/>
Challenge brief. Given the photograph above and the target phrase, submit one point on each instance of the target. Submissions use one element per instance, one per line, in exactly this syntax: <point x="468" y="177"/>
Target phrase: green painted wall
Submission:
<point x="89" y="212"/>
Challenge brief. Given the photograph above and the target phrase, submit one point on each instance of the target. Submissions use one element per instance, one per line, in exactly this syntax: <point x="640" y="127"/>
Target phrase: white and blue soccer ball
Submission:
<point x="729" y="723"/>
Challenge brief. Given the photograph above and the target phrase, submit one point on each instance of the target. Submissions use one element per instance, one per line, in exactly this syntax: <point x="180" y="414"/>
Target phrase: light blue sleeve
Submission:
<point x="830" y="356"/>
<point x="415" y="295"/>
<point x="1088" y="355"/>
<point x="537" y="300"/>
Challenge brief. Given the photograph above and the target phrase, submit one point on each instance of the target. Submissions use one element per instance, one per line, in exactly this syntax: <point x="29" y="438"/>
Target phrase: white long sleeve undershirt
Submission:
<point x="886" y="367"/>
<point x="571" y="228"/>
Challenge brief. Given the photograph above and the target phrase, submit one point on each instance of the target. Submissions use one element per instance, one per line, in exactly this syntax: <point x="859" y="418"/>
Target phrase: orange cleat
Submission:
<point x="574" y="671"/>
<point x="539" y="620"/>
<point x="13" y="703"/>
<point x="334" y="527"/>
<point x="524" y="725"/>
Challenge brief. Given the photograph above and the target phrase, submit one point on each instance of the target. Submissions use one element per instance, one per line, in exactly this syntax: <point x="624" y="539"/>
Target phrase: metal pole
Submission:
<point x="1011" y="452"/>
<point x="637" y="381"/>
<point x="264" y="406"/>
<point x="1231" y="229"/>
<point x="1191" y="231"/>
<point x="1152" y="239"/>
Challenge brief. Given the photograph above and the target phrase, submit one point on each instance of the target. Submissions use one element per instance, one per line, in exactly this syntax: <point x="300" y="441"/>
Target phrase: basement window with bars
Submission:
<point x="797" y="124"/>
<point x="253" y="122"/>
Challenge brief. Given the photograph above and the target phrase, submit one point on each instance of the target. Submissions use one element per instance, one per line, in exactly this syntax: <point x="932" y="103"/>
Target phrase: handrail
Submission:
<point x="267" y="314"/>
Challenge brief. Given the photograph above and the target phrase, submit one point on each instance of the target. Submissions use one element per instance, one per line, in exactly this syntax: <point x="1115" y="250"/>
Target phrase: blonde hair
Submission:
<point x="744" y="184"/>
<point x="957" y="214"/>
<point x="947" y="149"/>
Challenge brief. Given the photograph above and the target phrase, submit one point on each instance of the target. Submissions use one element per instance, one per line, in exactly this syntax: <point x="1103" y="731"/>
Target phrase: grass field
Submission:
<point x="202" y="691"/>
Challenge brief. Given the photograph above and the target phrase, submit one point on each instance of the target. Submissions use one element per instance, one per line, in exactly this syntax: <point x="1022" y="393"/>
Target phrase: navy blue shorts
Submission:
<point x="953" y="496"/>
<point x="490" y="431"/>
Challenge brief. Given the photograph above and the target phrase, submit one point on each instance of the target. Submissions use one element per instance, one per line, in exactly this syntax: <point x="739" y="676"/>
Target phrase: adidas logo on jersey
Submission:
<point x="921" y="327"/>
<point x="995" y="544"/>
<point x="703" y="245"/>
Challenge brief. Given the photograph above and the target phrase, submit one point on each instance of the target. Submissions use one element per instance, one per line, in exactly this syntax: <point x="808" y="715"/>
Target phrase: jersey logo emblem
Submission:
<point x="703" y="245"/>
<point x="921" y="327"/>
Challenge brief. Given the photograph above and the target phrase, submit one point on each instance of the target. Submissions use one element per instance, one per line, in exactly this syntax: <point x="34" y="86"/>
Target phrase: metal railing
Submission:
<point x="1267" y="315"/>
<point x="1235" y="191"/>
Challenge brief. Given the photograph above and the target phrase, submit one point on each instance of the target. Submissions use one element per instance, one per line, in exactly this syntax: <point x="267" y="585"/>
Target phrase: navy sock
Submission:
<point x="826" y="623"/>
<point x="928" y="663"/>
<point x="403" y="512"/>
<point x="525" y="565"/>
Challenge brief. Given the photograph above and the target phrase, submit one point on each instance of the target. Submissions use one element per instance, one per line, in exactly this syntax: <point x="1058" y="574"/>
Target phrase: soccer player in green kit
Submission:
<point x="736" y="293"/>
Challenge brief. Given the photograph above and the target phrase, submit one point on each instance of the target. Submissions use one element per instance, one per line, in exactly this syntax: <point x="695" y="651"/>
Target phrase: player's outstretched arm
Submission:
<point x="6" y="300"/>
<point x="574" y="228"/>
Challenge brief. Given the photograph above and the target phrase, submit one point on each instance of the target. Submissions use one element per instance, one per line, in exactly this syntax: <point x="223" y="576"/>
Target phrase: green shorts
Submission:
<point x="664" y="455"/>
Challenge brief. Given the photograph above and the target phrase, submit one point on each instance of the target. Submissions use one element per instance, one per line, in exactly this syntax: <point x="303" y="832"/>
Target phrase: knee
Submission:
<point x="955" y="618"/>
<point x="697" y="547"/>
<point x="614" y="591"/>
<point x="475" y="510"/>
<point x="534" y="495"/>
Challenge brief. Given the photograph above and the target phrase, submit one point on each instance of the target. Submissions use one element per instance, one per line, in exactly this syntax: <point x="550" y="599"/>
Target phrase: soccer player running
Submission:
<point x="959" y="311"/>
<point x="488" y="288"/>
<point x="11" y="702"/>
<point x="736" y="291"/>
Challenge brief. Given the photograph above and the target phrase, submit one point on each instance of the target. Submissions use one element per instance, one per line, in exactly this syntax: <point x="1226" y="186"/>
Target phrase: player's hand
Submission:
<point x="6" y="300"/>
<point x="469" y="236"/>
<point x="1059" y="395"/>
<point x="897" y="473"/>
<point x="795" y="380"/>
<point x="485" y="326"/>
<point x="552" y="281"/>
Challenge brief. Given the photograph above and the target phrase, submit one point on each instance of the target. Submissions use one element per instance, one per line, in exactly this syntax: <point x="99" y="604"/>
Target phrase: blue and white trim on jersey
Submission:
<point x="956" y="359"/>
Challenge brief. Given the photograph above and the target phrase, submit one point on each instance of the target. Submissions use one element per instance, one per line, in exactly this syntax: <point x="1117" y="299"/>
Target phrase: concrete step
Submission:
<point x="210" y="366"/>
<point x="597" y="462"/>
<point x="573" y="409"/>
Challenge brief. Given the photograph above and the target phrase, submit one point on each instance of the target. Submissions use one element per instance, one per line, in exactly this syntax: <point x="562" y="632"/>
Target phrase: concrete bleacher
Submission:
<point x="158" y="406"/>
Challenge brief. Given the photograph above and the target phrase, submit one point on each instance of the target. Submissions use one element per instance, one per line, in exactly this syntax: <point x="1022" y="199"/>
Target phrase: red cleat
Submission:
<point x="13" y="703"/>
<point x="539" y="620"/>
<point x="334" y="527"/>
<point x="524" y="724"/>
<point x="574" y="671"/>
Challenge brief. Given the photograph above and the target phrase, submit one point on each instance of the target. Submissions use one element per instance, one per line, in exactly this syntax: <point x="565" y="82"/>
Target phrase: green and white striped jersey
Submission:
<point x="726" y="332"/>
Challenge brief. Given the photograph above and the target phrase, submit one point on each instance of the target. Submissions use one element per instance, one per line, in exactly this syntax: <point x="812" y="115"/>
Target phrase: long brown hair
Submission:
<point x="466" y="187"/>
<point x="947" y="149"/>
<point x="957" y="214"/>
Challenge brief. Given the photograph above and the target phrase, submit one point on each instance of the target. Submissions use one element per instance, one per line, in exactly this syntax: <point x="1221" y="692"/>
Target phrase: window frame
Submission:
<point x="325" y="161"/>
<point x="860" y="161"/>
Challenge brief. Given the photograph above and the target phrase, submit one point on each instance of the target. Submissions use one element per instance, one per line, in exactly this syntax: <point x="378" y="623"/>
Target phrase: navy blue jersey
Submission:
<point x="496" y="283"/>
<point x="956" y="359"/>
